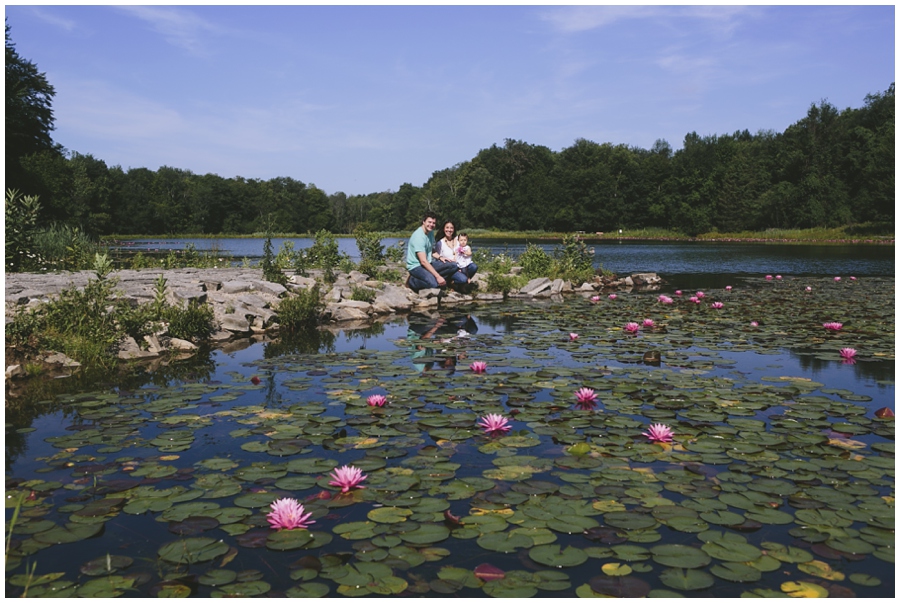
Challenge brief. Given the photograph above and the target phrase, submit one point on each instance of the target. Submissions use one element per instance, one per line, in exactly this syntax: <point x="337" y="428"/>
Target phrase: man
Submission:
<point x="423" y="274"/>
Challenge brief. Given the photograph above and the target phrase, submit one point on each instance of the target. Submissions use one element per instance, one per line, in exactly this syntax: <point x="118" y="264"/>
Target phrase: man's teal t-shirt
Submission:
<point x="419" y="241"/>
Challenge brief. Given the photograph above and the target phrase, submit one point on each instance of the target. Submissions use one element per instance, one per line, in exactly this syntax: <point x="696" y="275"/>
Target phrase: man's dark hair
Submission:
<point x="429" y="214"/>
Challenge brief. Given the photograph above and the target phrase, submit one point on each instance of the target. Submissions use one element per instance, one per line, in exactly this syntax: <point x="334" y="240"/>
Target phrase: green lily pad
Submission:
<point x="552" y="555"/>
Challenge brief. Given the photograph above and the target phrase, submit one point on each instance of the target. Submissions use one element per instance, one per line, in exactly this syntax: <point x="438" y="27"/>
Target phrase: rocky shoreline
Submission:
<point x="244" y="304"/>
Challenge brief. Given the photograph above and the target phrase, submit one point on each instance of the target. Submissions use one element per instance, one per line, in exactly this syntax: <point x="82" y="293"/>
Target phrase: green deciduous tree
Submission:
<point x="29" y="115"/>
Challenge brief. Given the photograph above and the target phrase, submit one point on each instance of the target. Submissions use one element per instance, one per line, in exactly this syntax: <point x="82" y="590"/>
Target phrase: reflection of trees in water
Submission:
<point x="39" y="396"/>
<point x="303" y="341"/>
<point x="882" y="370"/>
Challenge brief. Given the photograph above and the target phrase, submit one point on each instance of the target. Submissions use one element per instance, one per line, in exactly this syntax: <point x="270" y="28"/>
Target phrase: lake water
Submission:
<point x="158" y="483"/>
<point x="671" y="259"/>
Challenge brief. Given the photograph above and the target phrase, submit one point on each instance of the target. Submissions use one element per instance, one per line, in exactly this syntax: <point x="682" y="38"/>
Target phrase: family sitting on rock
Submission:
<point x="431" y="263"/>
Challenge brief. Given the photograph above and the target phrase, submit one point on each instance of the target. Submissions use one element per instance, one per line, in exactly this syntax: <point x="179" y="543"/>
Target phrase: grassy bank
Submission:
<point x="856" y="234"/>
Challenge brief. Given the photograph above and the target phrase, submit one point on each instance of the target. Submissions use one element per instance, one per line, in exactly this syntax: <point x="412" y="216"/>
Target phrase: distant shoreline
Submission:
<point x="533" y="236"/>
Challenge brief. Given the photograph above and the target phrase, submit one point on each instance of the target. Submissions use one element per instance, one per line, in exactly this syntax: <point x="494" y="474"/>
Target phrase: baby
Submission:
<point x="464" y="256"/>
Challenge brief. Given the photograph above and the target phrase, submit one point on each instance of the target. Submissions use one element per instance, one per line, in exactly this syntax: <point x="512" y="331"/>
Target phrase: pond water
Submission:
<point x="670" y="259"/>
<point x="779" y="478"/>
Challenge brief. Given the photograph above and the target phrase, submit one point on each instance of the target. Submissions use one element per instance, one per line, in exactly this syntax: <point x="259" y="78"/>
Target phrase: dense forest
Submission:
<point x="831" y="168"/>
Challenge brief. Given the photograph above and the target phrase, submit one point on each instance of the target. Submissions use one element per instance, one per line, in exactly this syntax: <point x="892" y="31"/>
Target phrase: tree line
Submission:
<point x="831" y="168"/>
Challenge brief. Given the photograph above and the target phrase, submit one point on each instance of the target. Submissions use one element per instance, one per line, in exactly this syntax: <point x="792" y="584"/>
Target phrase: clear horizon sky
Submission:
<point x="362" y="99"/>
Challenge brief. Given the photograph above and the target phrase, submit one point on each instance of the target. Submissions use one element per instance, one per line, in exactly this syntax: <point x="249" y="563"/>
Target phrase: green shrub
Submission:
<point x="371" y="251"/>
<point x="363" y="294"/>
<point x="191" y="322"/>
<point x="270" y="269"/>
<point x="503" y="283"/>
<point x="396" y="253"/>
<point x="573" y="261"/>
<point x="300" y="310"/>
<point x="21" y="217"/>
<point x="324" y="254"/>
<point x="535" y="262"/>
<point x="64" y="247"/>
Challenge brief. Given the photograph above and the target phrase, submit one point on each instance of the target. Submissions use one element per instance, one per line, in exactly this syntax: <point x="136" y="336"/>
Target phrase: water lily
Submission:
<point x="478" y="366"/>
<point x="255" y="380"/>
<point x="753" y="323"/>
<point x="884" y="413"/>
<point x="852" y="278"/>
<point x="777" y="277"/>
<point x="694" y="299"/>
<point x="586" y="396"/>
<point x="717" y="305"/>
<point x="678" y="292"/>
<point x="573" y="336"/>
<point x="837" y="279"/>
<point x="632" y="327"/>
<point x="665" y="299"/>
<point x="700" y="294"/>
<point x="833" y="326"/>
<point x="347" y="477"/>
<point x="809" y="288"/>
<point x="768" y="277"/>
<point x="288" y="514"/>
<point x="613" y="296"/>
<point x="595" y="298"/>
<point x="648" y="323"/>
<point x="493" y="423"/>
<point x="658" y="433"/>
<point x="728" y="287"/>
<point x="848" y="353"/>
<point x="376" y="400"/>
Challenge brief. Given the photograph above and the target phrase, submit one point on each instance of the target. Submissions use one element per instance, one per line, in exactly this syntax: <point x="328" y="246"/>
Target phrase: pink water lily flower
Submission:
<point x="665" y="299"/>
<point x="595" y="298"/>
<point x="809" y="288"/>
<point x="833" y="326"/>
<point x="848" y="353"/>
<point x="493" y="423"/>
<point x="852" y="278"/>
<point x="837" y="279"/>
<point x="768" y="277"/>
<point x="573" y="336"/>
<point x="613" y="296"/>
<point x="288" y="514"/>
<point x="478" y="367"/>
<point x="658" y="433"/>
<point x="753" y="323"/>
<point x="347" y="477"/>
<point x="632" y="327"/>
<point x="717" y="305"/>
<point x="376" y="400"/>
<point x="694" y="299"/>
<point x="777" y="277"/>
<point x="728" y="287"/>
<point x="648" y="323"/>
<point x="678" y="292"/>
<point x="586" y="396"/>
<point x="700" y="294"/>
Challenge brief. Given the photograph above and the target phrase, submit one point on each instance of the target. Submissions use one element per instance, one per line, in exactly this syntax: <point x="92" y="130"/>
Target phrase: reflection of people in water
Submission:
<point x="443" y="329"/>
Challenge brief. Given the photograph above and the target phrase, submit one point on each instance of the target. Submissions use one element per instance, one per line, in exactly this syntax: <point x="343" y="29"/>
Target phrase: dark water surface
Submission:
<point x="777" y="448"/>
<point x="670" y="259"/>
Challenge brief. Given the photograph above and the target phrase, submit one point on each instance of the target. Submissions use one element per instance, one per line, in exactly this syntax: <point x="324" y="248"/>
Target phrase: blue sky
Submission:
<point x="362" y="99"/>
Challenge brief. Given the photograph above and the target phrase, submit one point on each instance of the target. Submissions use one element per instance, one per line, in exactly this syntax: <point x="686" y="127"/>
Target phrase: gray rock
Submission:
<point x="234" y="323"/>
<point x="535" y="286"/>
<point x="15" y="370"/>
<point x="182" y="345"/>
<point x="58" y="358"/>
<point x="233" y="287"/>
<point x="251" y="300"/>
<point x="275" y="289"/>
<point x="130" y="350"/>
<point x="395" y="297"/>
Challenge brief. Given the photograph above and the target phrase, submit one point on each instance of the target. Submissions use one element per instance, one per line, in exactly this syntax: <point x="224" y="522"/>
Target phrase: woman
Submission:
<point x="445" y="250"/>
<point x="445" y="247"/>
